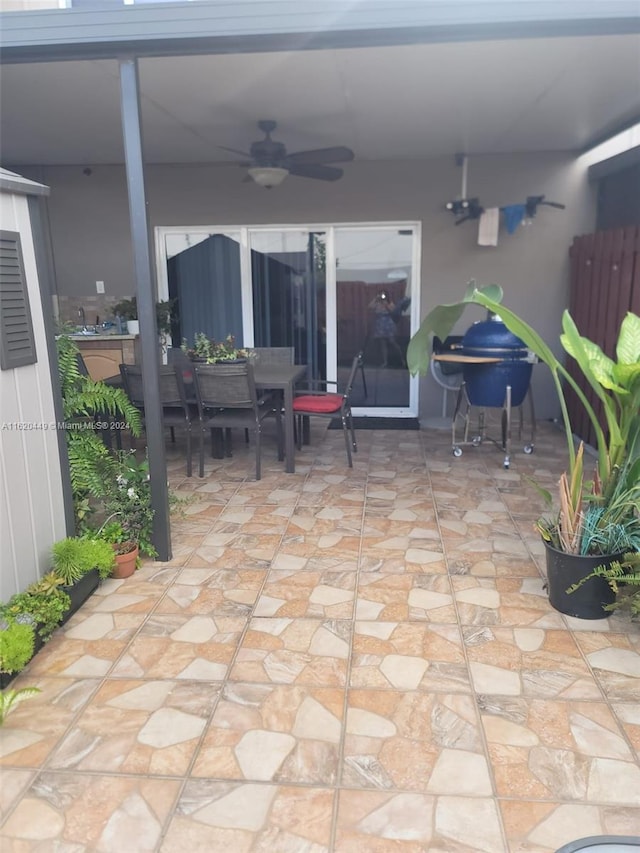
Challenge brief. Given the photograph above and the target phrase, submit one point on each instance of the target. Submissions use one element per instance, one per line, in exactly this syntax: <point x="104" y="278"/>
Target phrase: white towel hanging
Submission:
<point x="488" y="227"/>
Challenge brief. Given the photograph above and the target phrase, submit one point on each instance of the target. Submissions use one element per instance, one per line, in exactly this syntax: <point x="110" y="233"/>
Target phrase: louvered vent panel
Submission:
<point x="17" y="345"/>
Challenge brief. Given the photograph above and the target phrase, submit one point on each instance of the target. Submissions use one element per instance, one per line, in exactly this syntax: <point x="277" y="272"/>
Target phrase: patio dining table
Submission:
<point x="282" y="377"/>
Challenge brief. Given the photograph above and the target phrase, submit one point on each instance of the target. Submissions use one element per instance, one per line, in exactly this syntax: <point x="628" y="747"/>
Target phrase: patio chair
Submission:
<point x="176" y="410"/>
<point x="272" y="355"/>
<point x="269" y="356"/>
<point x="103" y="417"/>
<point x="226" y="397"/>
<point x="318" y="401"/>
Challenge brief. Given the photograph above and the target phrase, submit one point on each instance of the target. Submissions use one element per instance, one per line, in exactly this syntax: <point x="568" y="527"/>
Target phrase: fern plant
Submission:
<point x="10" y="698"/>
<point x="91" y="464"/>
<point x="623" y="577"/>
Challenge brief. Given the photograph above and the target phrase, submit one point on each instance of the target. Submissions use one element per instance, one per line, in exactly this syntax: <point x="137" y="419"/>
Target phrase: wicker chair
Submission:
<point x="272" y="355"/>
<point x="226" y="397"/>
<point x="176" y="411"/>
<point x="319" y="401"/>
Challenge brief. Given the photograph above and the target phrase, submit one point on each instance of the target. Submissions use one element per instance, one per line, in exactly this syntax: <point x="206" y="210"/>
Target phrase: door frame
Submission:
<point x="244" y="232"/>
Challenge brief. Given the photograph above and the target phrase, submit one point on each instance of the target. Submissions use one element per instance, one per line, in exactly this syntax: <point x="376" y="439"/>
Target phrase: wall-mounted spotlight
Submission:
<point x="465" y="208"/>
<point x="458" y="207"/>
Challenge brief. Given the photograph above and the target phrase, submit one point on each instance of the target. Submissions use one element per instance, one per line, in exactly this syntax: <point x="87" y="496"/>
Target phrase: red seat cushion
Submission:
<point x="318" y="403"/>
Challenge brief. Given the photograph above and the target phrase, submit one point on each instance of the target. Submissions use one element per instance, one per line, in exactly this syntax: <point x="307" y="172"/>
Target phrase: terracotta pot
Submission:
<point x="125" y="564"/>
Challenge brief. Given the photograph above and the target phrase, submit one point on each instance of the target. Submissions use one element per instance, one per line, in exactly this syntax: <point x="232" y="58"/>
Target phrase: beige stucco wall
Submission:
<point x="90" y="226"/>
<point x="31" y="502"/>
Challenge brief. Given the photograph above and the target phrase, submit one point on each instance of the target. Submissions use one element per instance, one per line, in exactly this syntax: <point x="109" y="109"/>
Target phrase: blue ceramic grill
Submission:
<point x="486" y="384"/>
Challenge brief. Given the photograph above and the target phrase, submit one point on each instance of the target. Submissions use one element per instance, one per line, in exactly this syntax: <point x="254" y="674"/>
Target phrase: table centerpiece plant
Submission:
<point x="597" y="520"/>
<point x="209" y="351"/>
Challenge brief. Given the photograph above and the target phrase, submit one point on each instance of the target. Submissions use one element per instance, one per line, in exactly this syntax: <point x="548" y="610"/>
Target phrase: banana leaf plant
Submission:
<point x="615" y="383"/>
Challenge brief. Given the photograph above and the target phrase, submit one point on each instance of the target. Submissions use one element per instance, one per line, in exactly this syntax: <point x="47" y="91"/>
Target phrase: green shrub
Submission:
<point x="16" y="645"/>
<point x="43" y="602"/>
<point x="74" y="557"/>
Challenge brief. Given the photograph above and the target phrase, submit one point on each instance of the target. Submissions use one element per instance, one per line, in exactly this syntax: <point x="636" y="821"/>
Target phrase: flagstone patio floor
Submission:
<point x="358" y="661"/>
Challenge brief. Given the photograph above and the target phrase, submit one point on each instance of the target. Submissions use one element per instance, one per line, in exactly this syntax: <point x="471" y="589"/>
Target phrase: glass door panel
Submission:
<point x="374" y="279"/>
<point x="289" y="293"/>
<point x="204" y="280"/>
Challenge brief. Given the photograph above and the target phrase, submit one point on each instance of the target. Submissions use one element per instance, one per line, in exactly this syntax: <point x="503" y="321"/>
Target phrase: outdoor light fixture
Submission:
<point x="464" y="209"/>
<point x="268" y="176"/>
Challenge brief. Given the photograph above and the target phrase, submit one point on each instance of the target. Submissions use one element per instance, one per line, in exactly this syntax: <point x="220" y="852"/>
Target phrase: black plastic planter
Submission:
<point x="564" y="570"/>
<point x="80" y="591"/>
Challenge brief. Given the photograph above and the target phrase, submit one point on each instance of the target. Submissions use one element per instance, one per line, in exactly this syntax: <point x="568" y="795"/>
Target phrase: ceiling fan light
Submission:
<point x="268" y="176"/>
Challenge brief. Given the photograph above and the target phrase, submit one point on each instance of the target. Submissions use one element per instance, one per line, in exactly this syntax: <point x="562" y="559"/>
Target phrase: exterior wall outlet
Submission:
<point x="99" y="286"/>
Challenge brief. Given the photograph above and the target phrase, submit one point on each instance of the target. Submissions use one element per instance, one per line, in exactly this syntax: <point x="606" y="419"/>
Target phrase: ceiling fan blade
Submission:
<point x="339" y="154"/>
<point x="233" y="150"/>
<point x="321" y="173"/>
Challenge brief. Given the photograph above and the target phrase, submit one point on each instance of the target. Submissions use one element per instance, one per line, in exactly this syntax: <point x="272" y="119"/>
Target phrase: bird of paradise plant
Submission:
<point x="616" y="384"/>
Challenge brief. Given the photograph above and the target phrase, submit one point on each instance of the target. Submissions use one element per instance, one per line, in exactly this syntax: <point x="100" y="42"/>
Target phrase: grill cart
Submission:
<point x="496" y="374"/>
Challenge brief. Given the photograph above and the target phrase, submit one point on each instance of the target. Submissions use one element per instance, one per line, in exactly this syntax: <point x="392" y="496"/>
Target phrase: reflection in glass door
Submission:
<point x="289" y="293"/>
<point x="374" y="279"/>
<point x="204" y="284"/>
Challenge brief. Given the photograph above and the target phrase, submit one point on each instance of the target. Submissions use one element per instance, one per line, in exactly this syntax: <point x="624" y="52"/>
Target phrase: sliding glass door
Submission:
<point x="288" y="284"/>
<point x="374" y="290"/>
<point x="328" y="291"/>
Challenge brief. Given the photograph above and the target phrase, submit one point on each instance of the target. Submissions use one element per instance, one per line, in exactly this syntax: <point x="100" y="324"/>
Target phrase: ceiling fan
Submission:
<point x="268" y="162"/>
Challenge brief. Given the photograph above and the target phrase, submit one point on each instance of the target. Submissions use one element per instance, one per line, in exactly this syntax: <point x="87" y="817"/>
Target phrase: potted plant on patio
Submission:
<point x="596" y="517"/>
<point x="623" y="576"/>
<point x="124" y="548"/>
<point x="128" y="525"/>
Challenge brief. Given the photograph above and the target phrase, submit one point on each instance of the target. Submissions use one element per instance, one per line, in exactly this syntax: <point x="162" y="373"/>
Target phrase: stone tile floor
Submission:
<point x="355" y="661"/>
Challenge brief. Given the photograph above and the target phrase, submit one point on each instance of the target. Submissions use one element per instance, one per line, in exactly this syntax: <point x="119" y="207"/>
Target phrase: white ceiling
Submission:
<point x="387" y="103"/>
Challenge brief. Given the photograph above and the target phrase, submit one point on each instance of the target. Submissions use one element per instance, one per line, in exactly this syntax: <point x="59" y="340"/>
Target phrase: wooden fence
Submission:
<point x="605" y="284"/>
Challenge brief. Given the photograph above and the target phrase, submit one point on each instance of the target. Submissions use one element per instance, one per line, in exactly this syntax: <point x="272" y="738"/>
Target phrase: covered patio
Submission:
<point x="335" y="660"/>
